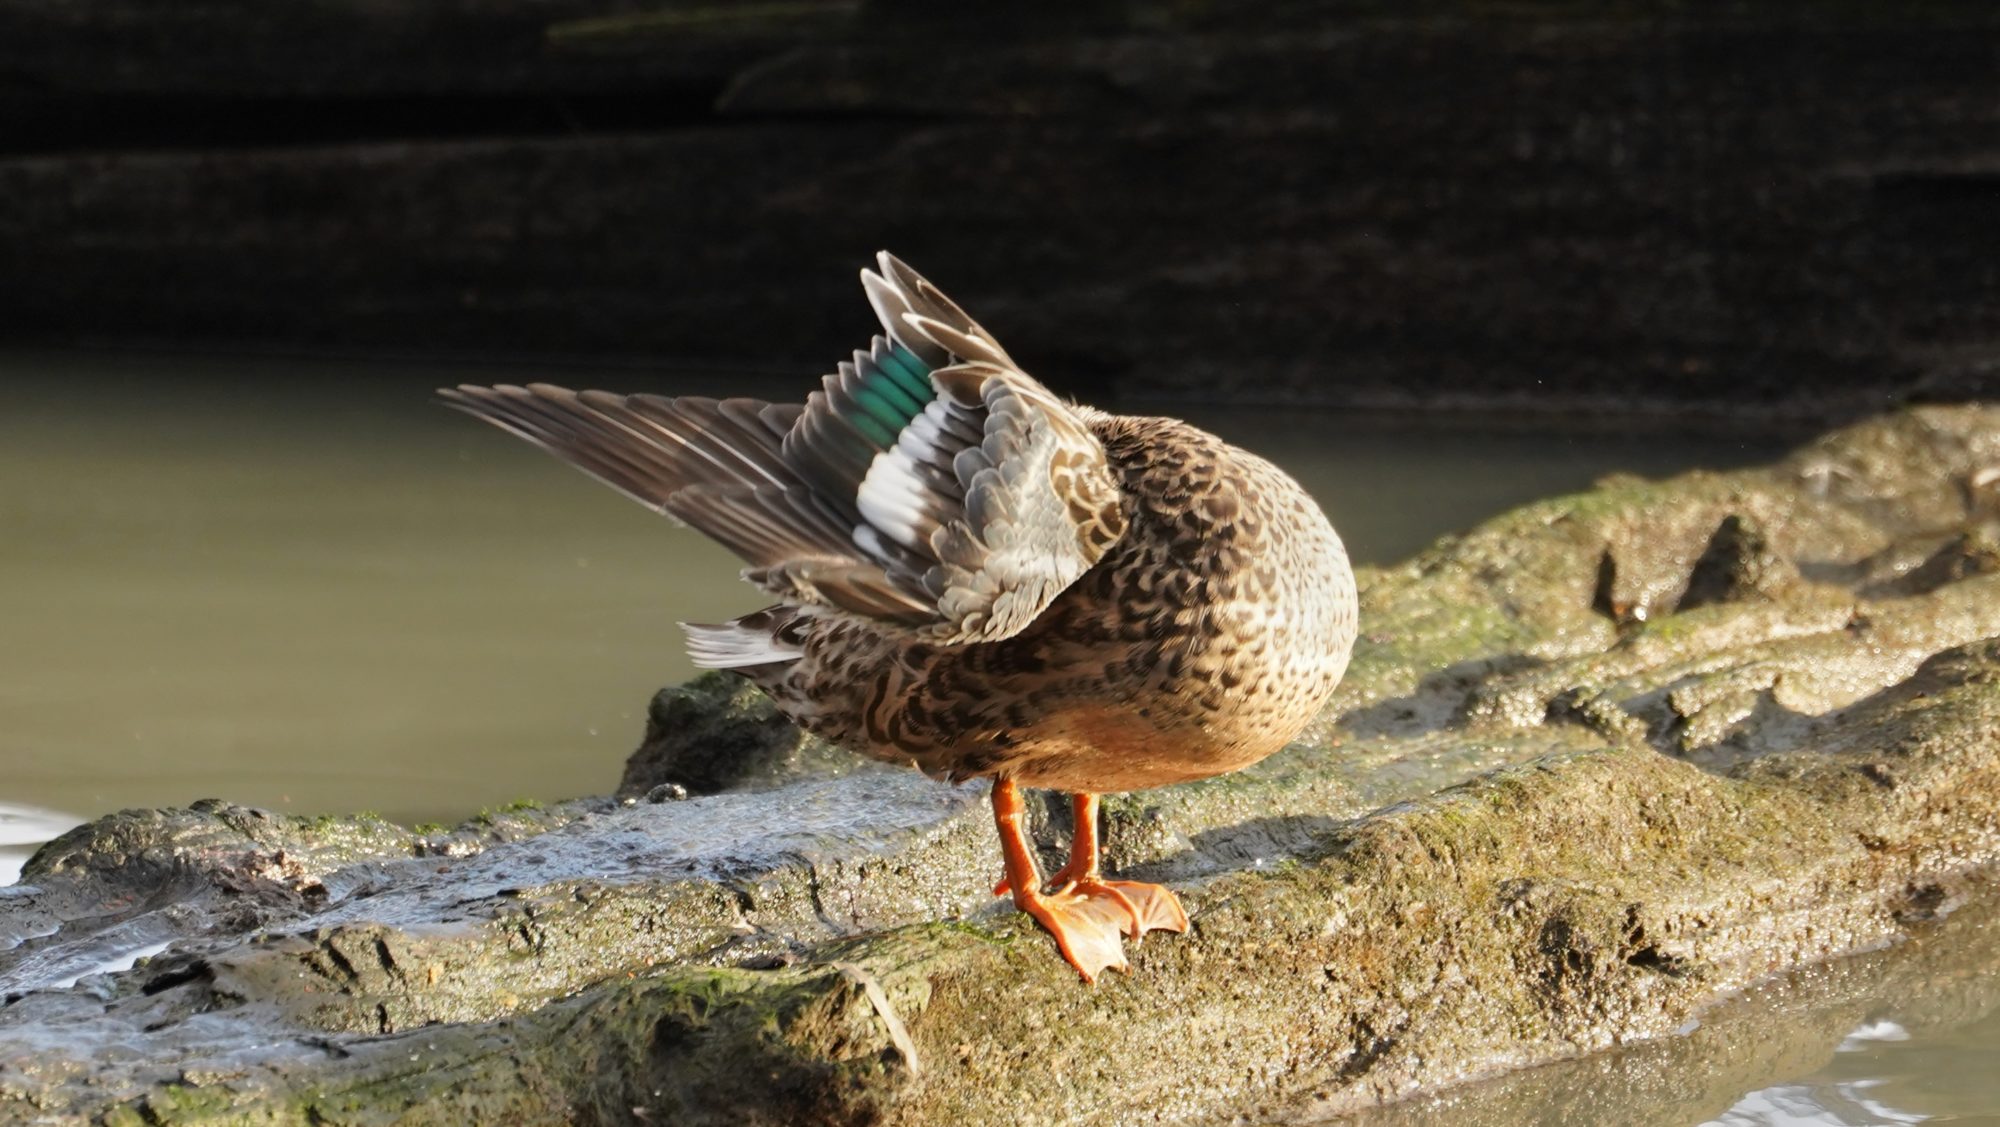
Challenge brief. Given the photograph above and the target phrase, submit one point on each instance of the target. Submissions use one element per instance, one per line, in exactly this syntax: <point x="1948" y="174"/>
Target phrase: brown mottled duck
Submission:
<point x="981" y="580"/>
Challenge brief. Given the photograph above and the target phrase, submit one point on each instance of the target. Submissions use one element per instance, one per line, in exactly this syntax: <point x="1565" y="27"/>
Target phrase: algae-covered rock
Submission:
<point x="1599" y="763"/>
<point x="716" y="733"/>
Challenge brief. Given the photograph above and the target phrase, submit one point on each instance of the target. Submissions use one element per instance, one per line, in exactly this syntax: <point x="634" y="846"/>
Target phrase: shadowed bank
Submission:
<point x="1743" y="208"/>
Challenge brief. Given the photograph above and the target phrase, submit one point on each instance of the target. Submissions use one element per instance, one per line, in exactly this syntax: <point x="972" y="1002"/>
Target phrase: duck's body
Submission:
<point x="987" y="582"/>
<point x="1201" y="642"/>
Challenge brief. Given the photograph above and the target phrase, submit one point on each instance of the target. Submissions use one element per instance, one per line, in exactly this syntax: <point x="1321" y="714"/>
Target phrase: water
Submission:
<point x="300" y="585"/>
<point x="22" y="828"/>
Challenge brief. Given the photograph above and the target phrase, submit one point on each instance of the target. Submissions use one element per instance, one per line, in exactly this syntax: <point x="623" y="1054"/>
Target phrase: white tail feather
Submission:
<point x="733" y="646"/>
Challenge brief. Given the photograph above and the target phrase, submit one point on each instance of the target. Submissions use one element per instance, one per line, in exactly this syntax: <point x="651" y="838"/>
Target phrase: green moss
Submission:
<point x="172" y="1104"/>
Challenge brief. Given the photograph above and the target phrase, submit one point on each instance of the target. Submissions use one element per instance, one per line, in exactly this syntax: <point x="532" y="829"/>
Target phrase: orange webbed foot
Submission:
<point x="1089" y="919"/>
<point x="1088" y="915"/>
<point x="1088" y="929"/>
<point x="1148" y="907"/>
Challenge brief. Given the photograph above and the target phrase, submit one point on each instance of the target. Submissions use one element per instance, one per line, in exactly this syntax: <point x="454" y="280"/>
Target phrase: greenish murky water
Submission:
<point x="301" y="585"/>
<point x="304" y="585"/>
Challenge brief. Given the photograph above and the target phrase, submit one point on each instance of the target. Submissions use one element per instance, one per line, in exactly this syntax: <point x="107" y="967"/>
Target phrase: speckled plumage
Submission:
<point x="1203" y="641"/>
<point x="981" y="580"/>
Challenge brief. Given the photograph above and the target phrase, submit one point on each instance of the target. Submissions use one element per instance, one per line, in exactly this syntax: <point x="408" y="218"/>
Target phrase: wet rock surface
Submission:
<point x="1559" y="805"/>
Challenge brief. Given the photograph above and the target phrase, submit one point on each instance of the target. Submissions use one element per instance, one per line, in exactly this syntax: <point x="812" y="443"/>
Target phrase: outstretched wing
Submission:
<point x="929" y="486"/>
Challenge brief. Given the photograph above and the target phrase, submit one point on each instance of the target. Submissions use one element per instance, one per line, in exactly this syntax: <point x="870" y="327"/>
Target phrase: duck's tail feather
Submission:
<point x="772" y="636"/>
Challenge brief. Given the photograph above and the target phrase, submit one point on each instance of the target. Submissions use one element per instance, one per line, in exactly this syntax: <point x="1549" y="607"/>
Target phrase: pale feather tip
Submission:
<point x="732" y="646"/>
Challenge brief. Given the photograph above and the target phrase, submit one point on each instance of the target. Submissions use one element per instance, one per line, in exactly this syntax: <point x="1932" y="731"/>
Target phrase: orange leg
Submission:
<point x="1151" y="906"/>
<point x="1084" y="863"/>
<point x="1086" y="913"/>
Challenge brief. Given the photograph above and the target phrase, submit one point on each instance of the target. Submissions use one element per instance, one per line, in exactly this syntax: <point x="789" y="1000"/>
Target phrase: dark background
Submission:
<point x="1777" y="208"/>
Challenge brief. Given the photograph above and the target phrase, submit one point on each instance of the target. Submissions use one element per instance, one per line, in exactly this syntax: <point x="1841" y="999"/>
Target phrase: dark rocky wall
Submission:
<point x="1791" y="207"/>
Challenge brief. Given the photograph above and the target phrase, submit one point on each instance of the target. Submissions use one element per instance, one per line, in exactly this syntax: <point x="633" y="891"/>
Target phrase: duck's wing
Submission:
<point x="929" y="486"/>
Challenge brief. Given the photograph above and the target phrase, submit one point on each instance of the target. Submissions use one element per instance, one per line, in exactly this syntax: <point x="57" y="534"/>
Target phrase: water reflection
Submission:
<point x="1883" y="1072"/>
<point x="1809" y="1105"/>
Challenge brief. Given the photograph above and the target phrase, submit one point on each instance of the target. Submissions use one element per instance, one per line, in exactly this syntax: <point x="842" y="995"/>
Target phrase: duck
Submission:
<point x="975" y="577"/>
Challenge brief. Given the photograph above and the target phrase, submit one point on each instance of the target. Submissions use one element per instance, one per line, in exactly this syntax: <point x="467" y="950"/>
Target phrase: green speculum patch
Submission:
<point x="892" y="395"/>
